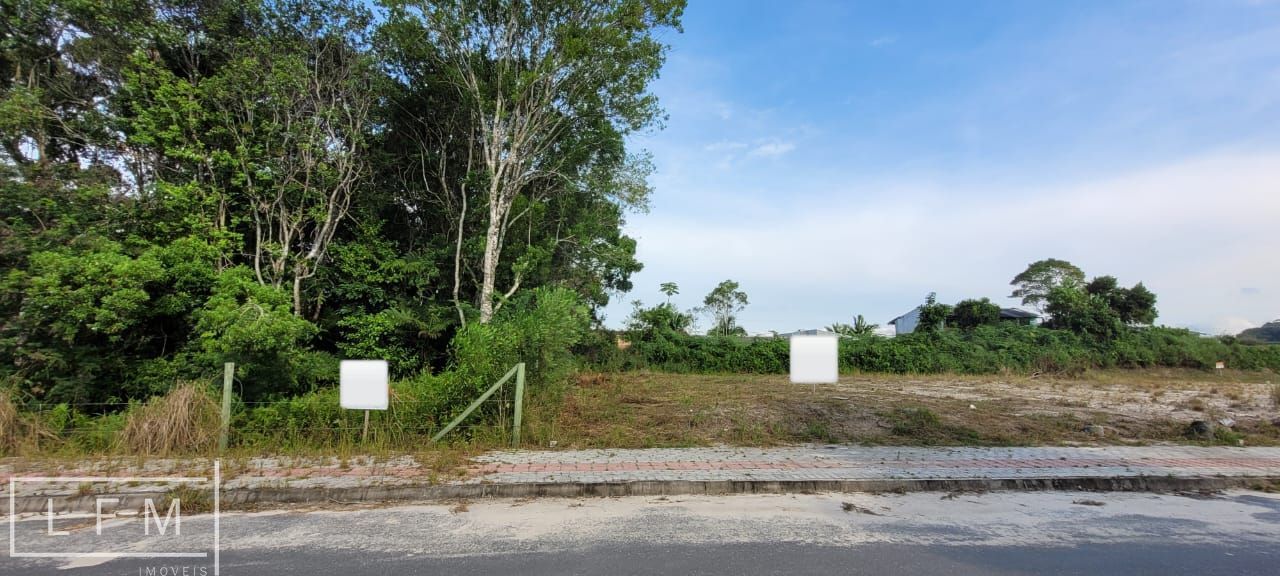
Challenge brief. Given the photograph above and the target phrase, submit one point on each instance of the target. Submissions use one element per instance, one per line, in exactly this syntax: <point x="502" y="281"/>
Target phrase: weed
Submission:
<point x="851" y="507"/>
<point x="185" y="420"/>
<point x="190" y="500"/>
<point x="1226" y="436"/>
<point x="17" y="430"/>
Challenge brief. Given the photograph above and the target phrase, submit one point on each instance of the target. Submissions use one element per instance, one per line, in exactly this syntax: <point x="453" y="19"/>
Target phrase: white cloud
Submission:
<point x="772" y="149"/>
<point x="882" y="41"/>
<point x="1193" y="231"/>
<point x="724" y="145"/>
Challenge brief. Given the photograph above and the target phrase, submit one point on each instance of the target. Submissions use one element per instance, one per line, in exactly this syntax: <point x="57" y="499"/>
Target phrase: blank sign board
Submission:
<point x="813" y="359"/>
<point x="363" y="384"/>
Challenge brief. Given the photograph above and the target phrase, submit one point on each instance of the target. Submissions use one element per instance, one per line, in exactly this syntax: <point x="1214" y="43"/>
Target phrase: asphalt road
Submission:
<point x="955" y="535"/>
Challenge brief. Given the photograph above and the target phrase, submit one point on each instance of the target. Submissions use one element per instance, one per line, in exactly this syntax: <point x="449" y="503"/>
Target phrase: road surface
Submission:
<point x="921" y="533"/>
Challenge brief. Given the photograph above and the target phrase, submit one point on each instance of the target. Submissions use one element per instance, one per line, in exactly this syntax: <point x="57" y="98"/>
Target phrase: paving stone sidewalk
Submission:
<point x="567" y="471"/>
<point x="872" y="463"/>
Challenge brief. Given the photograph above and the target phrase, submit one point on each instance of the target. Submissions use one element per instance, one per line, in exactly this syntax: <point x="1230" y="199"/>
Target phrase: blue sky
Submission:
<point x="842" y="158"/>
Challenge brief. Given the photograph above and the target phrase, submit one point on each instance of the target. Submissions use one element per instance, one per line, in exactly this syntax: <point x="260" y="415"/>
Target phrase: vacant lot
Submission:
<point x="645" y="409"/>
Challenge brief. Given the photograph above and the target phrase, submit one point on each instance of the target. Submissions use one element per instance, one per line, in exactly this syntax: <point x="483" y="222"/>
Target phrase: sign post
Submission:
<point x="228" y="375"/>
<point x="363" y="385"/>
<point x="815" y="359"/>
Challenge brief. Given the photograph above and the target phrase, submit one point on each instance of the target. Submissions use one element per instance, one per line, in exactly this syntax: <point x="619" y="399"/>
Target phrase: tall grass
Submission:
<point x="184" y="421"/>
<point x="18" y="431"/>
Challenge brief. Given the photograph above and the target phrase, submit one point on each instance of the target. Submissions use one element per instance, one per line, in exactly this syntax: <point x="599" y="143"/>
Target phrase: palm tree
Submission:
<point x="863" y="328"/>
<point x="670" y="289"/>
<point x="860" y="327"/>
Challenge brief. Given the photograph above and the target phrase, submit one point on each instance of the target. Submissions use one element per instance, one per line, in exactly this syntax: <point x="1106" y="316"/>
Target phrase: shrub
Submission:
<point x="255" y="327"/>
<point x="983" y="349"/>
<point x="17" y="430"/>
<point x="969" y="314"/>
<point x="186" y="420"/>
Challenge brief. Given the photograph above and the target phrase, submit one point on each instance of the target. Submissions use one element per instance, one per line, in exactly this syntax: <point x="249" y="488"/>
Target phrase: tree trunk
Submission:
<point x="297" y="292"/>
<point x="492" y="250"/>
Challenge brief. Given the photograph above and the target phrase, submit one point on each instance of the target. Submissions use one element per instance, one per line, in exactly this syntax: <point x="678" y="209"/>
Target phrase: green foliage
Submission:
<point x="723" y="304"/>
<point x="1135" y="305"/>
<point x="378" y="336"/>
<point x="969" y="314"/>
<point x="1071" y="308"/>
<point x="254" y="326"/>
<point x="933" y="316"/>
<point x="649" y="323"/>
<point x="982" y="350"/>
<point x="860" y="327"/>
<point x="1034" y="284"/>
<point x="282" y="183"/>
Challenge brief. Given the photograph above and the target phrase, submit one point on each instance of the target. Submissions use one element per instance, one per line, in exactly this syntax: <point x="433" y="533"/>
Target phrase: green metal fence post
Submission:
<point x="228" y="374"/>
<point x="515" y="426"/>
<point x="476" y="404"/>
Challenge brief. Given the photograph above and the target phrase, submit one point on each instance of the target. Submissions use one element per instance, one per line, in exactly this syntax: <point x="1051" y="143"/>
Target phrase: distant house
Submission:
<point x="907" y="323"/>
<point x="808" y="333"/>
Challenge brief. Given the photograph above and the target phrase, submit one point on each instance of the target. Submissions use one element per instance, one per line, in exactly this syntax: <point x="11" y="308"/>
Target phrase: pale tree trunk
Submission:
<point x="489" y="268"/>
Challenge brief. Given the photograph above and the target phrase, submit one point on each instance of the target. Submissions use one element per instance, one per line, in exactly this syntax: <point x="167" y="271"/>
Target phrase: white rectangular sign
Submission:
<point x="363" y="384"/>
<point x="814" y="359"/>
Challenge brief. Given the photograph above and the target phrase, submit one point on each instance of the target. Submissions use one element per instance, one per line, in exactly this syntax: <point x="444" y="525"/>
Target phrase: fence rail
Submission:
<point x="518" y="372"/>
<point x="76" y="422"/>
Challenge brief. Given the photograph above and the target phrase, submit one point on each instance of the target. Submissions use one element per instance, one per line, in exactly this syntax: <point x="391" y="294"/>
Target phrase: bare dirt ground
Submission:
<point x="646" y="409"/>
<point x="1181" y="395"/>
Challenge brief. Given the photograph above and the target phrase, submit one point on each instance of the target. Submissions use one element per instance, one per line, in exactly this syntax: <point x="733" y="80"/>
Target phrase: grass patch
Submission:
<point x="924" y="427"/>
<point x="186" y="421"/>
<point x="20" y="432"/>
<point x="652" y="409"/>
<point x="190" y="500"/>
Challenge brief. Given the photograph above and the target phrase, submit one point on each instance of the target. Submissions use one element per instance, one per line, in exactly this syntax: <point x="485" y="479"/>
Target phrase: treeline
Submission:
<point x="983" y="350"/>
<point x="1093" y="324"/>
<point x="282" y="183"/>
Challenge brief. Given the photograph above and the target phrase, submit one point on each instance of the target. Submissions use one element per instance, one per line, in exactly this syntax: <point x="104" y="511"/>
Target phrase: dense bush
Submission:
<point x="538" y="327"/>
<point x="984" y="349"/>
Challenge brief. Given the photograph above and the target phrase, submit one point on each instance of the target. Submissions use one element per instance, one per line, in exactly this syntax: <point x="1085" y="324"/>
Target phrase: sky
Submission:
<point x="844" y="158"/>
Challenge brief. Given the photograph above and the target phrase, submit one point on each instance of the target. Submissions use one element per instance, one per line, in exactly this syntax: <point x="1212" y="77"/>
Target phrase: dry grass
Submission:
<point x="19" y="432"/>
<point x="189" y="500"/>
<point x="644" y="409"/>
<point x="9" y="424"/>
<point x="184" y="421"/>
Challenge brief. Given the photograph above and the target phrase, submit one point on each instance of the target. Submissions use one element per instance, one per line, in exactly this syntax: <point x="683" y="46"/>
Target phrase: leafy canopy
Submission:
<point x="1034" y="284"/>
<point x="723" y="304"/>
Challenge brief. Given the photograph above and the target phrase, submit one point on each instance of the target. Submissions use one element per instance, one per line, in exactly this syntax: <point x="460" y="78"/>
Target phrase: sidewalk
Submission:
<point x="873" y="463"/>
<point x="676" y="471"/>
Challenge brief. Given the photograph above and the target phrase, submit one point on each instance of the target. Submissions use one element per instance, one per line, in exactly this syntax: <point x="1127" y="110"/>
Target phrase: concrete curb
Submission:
<point x="252" y="497"/>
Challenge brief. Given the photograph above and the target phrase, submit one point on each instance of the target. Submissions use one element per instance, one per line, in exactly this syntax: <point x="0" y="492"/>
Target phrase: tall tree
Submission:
<point x="1034" y="284"/>
<point x="528" y="73"/>
<point x="860" y="327"/>
<point x="296" y="101"/>
<point x="670" y="289"/>
<point x="723" y="304"/>
<point x="1136" y="305"/>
